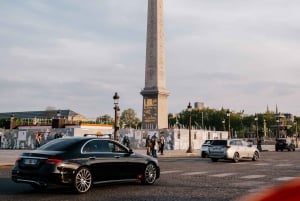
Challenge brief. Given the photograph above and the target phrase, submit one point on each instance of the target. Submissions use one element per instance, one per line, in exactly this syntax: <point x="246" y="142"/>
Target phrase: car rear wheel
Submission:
<point x="236" y="157"/>
<point x="83" y="180"/>
<point x="150" y="174"/>
<point x="255" y="156"/>
<point x="204" y="154"/>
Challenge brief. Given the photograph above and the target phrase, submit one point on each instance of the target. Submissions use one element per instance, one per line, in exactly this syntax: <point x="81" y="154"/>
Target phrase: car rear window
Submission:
<point x="219" y="142"/>
<point x="60" y="144"/>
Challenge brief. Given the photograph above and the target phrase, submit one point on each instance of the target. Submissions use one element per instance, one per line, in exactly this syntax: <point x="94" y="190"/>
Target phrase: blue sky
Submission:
<point x="70" y="54"/>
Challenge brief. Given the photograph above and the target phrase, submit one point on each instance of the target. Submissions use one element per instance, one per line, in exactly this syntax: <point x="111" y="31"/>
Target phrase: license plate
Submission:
<point x="30" y="161"/>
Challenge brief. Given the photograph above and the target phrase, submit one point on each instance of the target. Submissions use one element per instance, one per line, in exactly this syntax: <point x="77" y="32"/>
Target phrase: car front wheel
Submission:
<point x="150" y="174"/>
<point x="83" y="180"/>
<point x="255" y="156"/>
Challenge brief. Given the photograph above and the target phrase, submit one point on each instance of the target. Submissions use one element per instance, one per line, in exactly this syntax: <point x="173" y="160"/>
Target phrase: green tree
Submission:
<point x="105" y="119"/>
<point x="129" y="119"/>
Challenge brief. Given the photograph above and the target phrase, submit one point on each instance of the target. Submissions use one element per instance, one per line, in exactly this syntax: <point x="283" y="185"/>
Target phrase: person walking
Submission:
<point x="148" y="145"/>
<point x="38" y="139"/>
<point x="126" y="141"/>
<point x="154" y="146"/>
<point x="161" y="144"/>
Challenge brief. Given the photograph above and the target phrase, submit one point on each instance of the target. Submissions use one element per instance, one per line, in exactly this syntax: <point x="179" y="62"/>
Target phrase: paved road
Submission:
<point x="182" y="178"/>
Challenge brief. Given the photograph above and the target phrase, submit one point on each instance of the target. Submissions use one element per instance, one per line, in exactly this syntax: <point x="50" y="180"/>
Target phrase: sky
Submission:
<point x="73" y="54"/>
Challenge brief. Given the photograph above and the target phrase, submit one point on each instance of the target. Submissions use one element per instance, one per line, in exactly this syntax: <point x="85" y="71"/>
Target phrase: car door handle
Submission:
<point x="117" y="157"/>
<point x="92" y="158"/>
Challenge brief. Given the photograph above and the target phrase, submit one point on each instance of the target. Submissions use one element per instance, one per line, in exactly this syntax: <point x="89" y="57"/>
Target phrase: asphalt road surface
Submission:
<point x="181" y="179"/>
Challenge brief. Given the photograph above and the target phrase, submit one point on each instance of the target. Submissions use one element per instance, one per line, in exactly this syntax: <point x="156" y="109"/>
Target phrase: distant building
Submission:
<point x="68" y="115"/>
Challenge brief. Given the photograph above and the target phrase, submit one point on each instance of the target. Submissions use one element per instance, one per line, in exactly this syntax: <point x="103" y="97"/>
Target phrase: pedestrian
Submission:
<point x="148" y="145"/>
<point x="38" y="139"/>
<point x="259" y="144"/>
<point x="154" y="145"/>
<point x="126" y="141"/>
<point x="161" y="144"/>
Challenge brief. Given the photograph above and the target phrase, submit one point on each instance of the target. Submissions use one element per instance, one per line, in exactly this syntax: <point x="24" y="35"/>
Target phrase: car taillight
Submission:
<point x="53" y="160"/>
<point x="227" y="147"/>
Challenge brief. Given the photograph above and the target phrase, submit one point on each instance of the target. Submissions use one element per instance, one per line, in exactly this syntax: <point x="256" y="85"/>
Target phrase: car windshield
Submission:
<point x="208" y="142"/>
<point x="60" y="144"/>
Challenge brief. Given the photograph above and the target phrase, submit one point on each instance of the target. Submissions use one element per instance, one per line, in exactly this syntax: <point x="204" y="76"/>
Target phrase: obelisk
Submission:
<point x="155" y="94"/>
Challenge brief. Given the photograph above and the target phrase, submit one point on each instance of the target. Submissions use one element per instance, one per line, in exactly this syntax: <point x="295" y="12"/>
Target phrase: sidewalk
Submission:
<point x="9" y="156"/>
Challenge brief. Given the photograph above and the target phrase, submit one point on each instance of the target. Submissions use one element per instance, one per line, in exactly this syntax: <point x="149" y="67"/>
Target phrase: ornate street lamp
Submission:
<point x="116" y="98"/>
<point x="228" y="115"/>
<point x="189" y="108"/>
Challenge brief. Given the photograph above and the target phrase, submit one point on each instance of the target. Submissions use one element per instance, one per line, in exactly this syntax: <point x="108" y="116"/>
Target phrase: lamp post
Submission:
<point x="11" y="123"/>
<point x="256" y="125"/>
<point x="228" y="115"/>
<point x="189" y="108"/>
<point x="277" y="122"/>
<point x="58" y="114"/>
<point x="223" y="122"/>
<point x="116" y="98"/>
<point x="296" y="125"/>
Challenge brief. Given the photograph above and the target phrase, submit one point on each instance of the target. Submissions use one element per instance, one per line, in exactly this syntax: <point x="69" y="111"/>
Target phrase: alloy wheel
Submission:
<point x="83" y="180"/>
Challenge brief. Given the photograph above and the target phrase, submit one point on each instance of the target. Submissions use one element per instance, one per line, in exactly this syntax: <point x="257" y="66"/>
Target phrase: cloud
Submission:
<point x="68" y="54"/>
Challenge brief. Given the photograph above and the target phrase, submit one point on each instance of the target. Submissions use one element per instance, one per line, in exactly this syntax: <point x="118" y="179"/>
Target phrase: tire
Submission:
<point x="150" y="174"/>
<point x="214" y="159"/>
<point x="204" y="155"/>
<point x="83" y="180"/>
<point x="236" y="157"/>
<point x="255" y="156"/>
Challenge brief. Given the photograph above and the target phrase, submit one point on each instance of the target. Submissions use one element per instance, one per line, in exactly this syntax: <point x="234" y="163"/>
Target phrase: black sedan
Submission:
<point x="81" y="162"/>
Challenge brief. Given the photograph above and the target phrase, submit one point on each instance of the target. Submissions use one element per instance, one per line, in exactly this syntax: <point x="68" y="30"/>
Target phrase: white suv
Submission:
<point x="232" y="149"/>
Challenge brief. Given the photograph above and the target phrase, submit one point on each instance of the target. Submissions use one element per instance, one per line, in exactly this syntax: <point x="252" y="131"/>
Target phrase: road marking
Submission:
<point x="242" y="163"/>
<point x="253" y="176"/>
<point x="193" y="173"/>
<point x="262" y="164"/>
<point x="249" y="183"/>
<point x="284" y="165"/>
<point x="222" y="175"/>
<point x="170" y="172"/>
<point x="285" y="178"/>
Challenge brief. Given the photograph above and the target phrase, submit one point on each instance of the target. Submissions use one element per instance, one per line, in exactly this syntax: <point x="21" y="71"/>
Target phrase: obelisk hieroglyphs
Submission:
<point x="155" y="94"/>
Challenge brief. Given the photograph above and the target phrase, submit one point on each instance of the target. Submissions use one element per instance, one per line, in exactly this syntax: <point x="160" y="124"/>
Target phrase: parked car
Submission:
<point x="81" y="162"/>
<point x="204" y="148"/>
<point x="232" y="149"/>
<point x="285" y="143"/>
